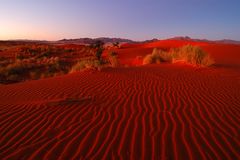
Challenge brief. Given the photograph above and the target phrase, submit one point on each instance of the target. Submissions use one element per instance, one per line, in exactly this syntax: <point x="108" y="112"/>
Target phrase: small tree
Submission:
<point x="99" y="53"/>
<point x="116" y="44"/>
<point x="99" y="47"/>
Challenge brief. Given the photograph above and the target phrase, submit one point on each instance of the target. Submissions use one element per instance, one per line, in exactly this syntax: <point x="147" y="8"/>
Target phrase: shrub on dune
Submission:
<point x="164" y="56"/>
<point x="157" y="56"/>
<point x="190" y="54"/>
<point x="86" y="64"/>
<point x="99" y="48"/>
<point x="12" y="71"/>
<point x="207" y="61"/>
<point x="148" y="59"/>
<point x="96" y="64"/>
<point x="113" y="59"/>
<point x="193" y="55"/>
<point x="13" y="77"/>
<point x="17" y="68"/>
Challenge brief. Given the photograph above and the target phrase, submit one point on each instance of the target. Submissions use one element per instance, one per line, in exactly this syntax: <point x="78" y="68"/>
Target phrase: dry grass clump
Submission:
<point x="190" y="54"/>
<point x="12" y="71"/>
<point x="96" y="64"/>
<point x="31" y="68"/>
<point x="15" y="68"/>
<point x="148" y="59"/>
<point x="207" y="61"/>
<point x="157" y="56"/>
<point x="113" y="59"/>
<point x="4" y="62"/>
<point x="86" y="64"/>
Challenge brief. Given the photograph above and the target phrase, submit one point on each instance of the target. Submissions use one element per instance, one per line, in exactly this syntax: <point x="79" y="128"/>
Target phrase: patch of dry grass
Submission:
<point x="157" y="56"/>
<point x="86" y="64"/>
<point x="190" y="54"/>
<point x="113" y="59"/>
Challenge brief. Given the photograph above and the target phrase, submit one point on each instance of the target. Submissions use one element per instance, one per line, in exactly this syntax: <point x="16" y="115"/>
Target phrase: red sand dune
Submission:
<point x="167" y="111"/>
<point x="226" y="55"/>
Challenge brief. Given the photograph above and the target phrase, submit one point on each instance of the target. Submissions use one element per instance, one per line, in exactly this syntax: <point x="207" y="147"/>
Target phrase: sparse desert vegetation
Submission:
<point x="30" y="68"/>
<point x="96" y="63"/>
<point x="86" y="64"/>
<point x="31" y="61"/>
<point x="190" y="54"/>
<point x="26" y="61"/>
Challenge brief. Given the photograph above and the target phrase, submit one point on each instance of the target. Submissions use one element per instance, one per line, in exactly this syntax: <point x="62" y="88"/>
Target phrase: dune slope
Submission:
<point x="150" y="112"/>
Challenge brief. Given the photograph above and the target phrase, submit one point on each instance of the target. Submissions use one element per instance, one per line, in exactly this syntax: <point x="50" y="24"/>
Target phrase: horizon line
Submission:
<point x="184" y="37"/>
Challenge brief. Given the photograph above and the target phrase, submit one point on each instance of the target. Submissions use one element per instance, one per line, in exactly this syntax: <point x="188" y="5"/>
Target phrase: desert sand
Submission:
<point x="165" y="111"/>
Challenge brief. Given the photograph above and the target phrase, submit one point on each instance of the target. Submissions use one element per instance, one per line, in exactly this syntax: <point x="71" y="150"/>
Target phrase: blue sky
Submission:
<point x="133" y="19"/>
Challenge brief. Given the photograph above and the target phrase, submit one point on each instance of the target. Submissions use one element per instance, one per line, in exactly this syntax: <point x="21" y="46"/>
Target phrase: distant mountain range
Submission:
<point x="122" y="40"/>
<point x="93" y="40"/>
<point x="223" y="41"/>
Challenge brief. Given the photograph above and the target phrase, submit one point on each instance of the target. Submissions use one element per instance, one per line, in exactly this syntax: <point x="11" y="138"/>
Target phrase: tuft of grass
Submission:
<point x="86" y="64"/>
<point x="190" y="54"/>
<point x="164" y="56"/>
<point x="157" y="56"/>
<point x="193" y="55"/>
<point x="30" y="68"/>
<point x="207" y="61"/>
<point x="148" y="59"/>
<point x="113" y="59"/>
<point x="12" y="71"/>
<point x="17" y="68"/>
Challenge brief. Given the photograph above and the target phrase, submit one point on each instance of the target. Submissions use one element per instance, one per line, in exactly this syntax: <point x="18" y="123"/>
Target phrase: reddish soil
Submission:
<point x="166" y="111"/>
